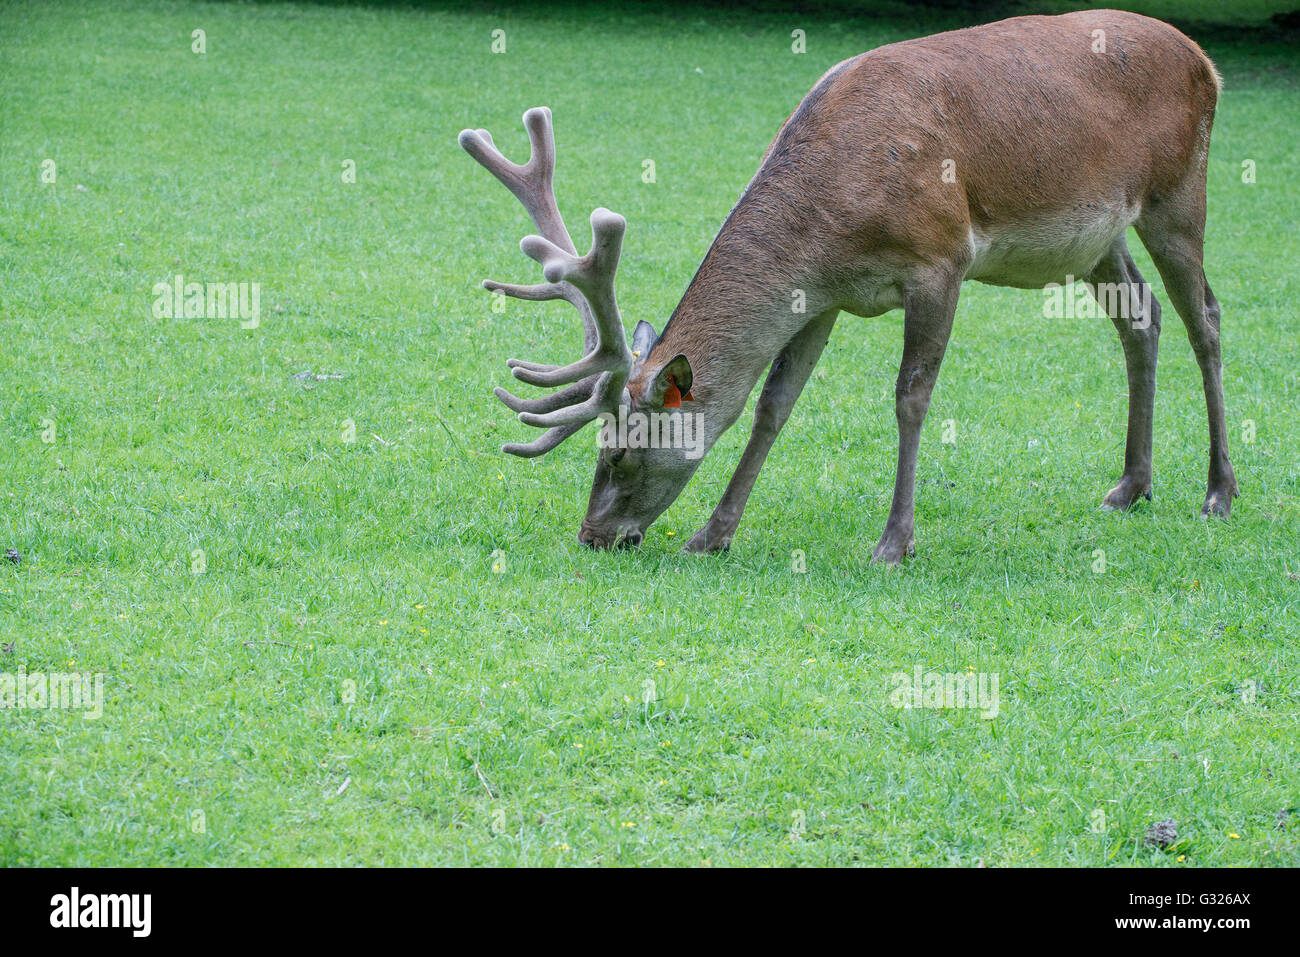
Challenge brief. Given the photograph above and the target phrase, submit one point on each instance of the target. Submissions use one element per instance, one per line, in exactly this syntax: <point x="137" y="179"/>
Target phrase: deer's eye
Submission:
<point x="617" y="457"/>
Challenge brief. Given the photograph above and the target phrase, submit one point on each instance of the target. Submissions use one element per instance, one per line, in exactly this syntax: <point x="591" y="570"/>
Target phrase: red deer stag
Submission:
<point x="1015" y="154"/>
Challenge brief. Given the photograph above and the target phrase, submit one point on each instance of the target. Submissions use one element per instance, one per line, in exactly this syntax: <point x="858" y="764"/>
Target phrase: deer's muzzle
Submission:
<point x="623" y="538"/>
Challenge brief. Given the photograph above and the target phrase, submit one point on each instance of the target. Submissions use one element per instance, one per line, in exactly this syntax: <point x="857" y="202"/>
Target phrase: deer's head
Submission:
<point x="649" y="443"/>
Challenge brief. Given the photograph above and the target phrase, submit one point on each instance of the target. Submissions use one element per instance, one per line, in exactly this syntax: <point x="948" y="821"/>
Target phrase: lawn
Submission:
<point x="337" y="626"/>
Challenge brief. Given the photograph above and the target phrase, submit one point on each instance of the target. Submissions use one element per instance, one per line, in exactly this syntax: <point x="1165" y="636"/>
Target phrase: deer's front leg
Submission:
<point x="927" y="323"/>
<point x="785" y="381"/>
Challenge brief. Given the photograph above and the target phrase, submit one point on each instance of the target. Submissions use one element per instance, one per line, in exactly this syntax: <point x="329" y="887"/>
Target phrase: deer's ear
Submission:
<point x="672" y="384"/>
<point x="643" y="339"/>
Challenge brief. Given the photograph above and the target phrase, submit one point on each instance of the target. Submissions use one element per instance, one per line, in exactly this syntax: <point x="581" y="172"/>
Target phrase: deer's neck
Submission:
<point x="747" y="301"/>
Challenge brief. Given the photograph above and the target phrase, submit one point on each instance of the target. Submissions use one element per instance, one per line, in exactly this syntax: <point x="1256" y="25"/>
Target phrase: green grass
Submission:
<point x="500" y="718"/>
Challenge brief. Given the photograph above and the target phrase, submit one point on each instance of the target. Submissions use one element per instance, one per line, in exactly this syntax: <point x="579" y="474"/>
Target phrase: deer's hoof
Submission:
<point x="1125" y="495"/>
<point x="1218" y="504"/>
<point x="702" y="543"/>
<point x="892" y="550"/>
<point x="1218" y="500"/>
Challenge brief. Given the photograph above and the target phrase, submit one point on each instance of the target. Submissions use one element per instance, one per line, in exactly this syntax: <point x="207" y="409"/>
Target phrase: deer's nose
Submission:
<point x="621" y="540"/>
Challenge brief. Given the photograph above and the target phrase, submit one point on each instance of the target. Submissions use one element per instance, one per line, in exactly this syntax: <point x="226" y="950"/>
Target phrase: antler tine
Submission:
<point x="543" y="444"/>
<point x="532" y="183"/>
<point x="537" y="293"/>
<point x="575" y="393"/>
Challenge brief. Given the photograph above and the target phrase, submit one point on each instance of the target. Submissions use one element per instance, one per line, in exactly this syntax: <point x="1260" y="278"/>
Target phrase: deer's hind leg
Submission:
<point x="1126" y="297"/>
<point x="1173" y="231"/>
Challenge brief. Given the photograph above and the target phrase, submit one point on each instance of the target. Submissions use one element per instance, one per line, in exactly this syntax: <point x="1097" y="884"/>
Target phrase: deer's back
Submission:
<point x="1063" y="123"/>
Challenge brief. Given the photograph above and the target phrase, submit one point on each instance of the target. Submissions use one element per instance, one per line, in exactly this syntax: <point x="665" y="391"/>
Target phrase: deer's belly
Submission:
<point x="1031" y="255"/>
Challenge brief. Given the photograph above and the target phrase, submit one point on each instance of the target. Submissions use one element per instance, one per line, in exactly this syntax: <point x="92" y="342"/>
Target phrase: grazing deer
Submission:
<point x="1014" y="154"/>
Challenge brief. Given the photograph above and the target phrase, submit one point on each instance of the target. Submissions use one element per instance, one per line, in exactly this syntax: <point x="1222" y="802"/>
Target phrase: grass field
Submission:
<point x="308" y="655"/>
